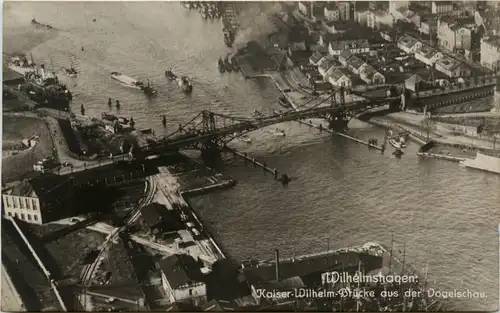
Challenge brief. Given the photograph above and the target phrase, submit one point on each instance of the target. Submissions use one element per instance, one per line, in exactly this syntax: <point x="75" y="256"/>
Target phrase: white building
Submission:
<point x="378" y="19"/>
<point x="182" y="280"/>
<point x="339" y="78"/>
<point x="409" y="44"/>
<point x="441" y="7"/>
<point x="22" y="202"/>
<point x="452" y="68"/>
<point x="490" y="52"/>
<point x="428" y="55"/>
<point x="331" y="11"/>
<point x="353" y="46"/>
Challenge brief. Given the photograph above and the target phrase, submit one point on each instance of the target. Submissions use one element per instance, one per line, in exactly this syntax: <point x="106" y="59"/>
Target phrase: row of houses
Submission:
<point x="433" y="57"/>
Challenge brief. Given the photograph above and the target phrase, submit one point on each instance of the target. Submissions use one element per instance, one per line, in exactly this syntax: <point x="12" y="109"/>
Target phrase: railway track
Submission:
<point x="89" y="270"/>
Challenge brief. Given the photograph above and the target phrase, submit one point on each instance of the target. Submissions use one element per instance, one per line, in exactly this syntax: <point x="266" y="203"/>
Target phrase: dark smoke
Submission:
<point x="255" y="22"/>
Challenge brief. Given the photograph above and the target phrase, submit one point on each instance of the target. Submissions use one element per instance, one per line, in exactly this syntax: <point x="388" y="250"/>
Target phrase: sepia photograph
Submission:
<point x="330" y="156"/>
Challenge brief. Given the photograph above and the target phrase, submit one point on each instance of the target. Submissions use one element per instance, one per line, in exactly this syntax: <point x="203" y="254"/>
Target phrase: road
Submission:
<point x="11" y="300"/>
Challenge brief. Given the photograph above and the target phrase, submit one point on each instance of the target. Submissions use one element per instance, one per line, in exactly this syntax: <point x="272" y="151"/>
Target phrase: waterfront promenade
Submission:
<point x="11" y="300"/>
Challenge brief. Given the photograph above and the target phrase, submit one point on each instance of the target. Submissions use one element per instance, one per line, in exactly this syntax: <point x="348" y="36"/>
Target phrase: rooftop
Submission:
<point x="369" y="72"/>
<point x="338" y="73"/>
<point x="426" y="51"/>
<point x="326" y="65"/>
<point x="346" y="54"/>
<point x="180" y="270"/>
<point x="10" y="75"/>
<point x="153" y="213"/>
<point x="350" y="44"/>
<point x="340" y="25"/>
<point x="316" y="57"/>
<point x="493" y="40"/>
<point x="21" y="189"/>
<point x="448" y="63"/>
<point x="355" y="62"/>
<point x="407" y="41"/>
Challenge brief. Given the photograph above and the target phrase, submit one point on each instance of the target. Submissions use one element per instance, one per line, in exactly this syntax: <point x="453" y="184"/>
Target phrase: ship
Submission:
<point x="257" y="114"/>
<point x="21" y="64"/>
<point x="133" y="83"/>
<point x="483" y="162"/>
<point x="283" y="101"/>
<point x="228" y="37"/>
<point x="45" y="88"/>
<point x="183" y="82"/>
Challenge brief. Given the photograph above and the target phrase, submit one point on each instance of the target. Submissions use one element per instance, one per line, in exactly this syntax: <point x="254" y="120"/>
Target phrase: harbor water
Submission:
<point x="341" y="192"/>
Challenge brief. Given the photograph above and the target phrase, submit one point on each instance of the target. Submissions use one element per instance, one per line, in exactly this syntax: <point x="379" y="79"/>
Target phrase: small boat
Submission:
<point x="396" y="144"/>
<point x="257" y="113"/>
<point x="71" y="72"/>
<point x="185" y="83"/>
<point x="170" y="75"/>
<point x="38" y="24"/>
<point x="283" y="101"/>
<point x="278" y="132"/>
<point x="148" y="90"/>
<point x="128" y="81"/>
<point x="398" y="152"/>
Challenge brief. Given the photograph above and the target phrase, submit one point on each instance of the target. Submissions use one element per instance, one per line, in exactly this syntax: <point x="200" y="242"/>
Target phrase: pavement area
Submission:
<point x="11" y="300"/>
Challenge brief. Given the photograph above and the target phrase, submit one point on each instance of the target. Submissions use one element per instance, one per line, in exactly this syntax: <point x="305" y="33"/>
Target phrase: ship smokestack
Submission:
<point x="277" y="260"/>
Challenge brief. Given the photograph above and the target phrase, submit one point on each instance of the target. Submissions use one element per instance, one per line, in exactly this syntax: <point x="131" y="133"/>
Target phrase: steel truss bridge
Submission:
<point x="211" y="130"/>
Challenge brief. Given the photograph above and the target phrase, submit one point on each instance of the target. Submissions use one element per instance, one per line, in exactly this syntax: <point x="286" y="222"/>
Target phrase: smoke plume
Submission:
<point x="255" y="22"/>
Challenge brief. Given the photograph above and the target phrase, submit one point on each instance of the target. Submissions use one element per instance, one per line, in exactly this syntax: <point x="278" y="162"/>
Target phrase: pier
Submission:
<point x="441" y="156"/>
<point x="256" y="163"/>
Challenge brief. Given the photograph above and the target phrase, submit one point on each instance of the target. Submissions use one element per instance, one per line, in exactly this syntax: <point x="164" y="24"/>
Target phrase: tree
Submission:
<point x="429" y="125"/>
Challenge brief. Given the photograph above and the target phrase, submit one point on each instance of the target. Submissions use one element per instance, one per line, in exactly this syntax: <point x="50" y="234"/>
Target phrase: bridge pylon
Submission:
<point x="339" y="120"/>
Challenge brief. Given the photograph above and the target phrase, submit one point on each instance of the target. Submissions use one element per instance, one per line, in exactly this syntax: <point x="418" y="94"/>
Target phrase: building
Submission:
<point x="39" y="200"/>
<point x="397" y="6"/>
<point x="355" y="64"/>
<point x="409" y="44"/>
<point x="428" y="55"/>
<point x="315" y="58"/>
<point x="353" y="46"/>
<point x="344" y="57"/>
<point x="361" y="17"/>
<point x="452" y="68"/>
<point x="324" y="67"/>
<point x="331" y="11"/>
<point x="413" y="83"/>
<point x="346" y="10"/>
<point x="456" y="34"/>
<point x="378" y="19"/>
<point x="428" y="26"/>
<point x="156" y="216"/>
<point x="305" y="7"/>
<point x="325" y="39"/>
<point x="490" y="52"/>
<point x="388" y="36"/>
<point x="182" y="279"/>
<point x="371" y="76"/>
<point x="339" y="77"/>
<point x="441" y="7"/>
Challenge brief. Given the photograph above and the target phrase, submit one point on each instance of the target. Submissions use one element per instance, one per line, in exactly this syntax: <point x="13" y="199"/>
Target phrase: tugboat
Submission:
<point x="221" y="66"/>
<point x="148" y="90"/>
<point x="283" y="101"/>
<point x="183" y="82"/>
<point x="21" y="64"/>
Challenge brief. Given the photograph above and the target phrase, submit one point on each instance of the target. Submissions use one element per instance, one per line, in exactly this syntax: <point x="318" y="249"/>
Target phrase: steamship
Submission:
<point x="44" y="87"/>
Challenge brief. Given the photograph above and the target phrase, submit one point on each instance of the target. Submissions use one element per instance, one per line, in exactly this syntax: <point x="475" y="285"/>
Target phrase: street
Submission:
<point x="11" y="300"/>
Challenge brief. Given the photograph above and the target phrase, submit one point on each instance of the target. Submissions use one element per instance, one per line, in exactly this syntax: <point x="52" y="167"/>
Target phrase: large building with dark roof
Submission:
<point x="182" y="279"/>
